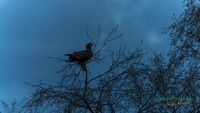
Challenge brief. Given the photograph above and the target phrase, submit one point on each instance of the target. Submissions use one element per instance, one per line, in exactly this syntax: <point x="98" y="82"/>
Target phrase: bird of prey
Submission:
<point x="81" y="57"/>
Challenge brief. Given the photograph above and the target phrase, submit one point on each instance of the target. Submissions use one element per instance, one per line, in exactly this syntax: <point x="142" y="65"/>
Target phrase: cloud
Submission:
<point x="120" y="11"/>
<point x="154" y="38"/>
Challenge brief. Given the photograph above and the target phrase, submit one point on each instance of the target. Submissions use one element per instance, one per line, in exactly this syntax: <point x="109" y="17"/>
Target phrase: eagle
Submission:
<point x="81" y="57"/>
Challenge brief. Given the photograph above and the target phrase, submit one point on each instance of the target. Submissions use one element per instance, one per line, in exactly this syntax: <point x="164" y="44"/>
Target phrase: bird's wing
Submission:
<point x="78" y="53"/>
<point x="75" y="55"/>
<point x="83" y="55"/>
<point x="80" y="56"/>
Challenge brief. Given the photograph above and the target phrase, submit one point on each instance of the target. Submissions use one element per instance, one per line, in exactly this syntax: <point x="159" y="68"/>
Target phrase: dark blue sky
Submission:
<point x="31" y="30"/>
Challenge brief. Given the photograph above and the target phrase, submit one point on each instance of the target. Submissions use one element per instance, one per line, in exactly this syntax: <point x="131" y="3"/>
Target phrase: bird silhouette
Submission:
<point x="81" y="57"/>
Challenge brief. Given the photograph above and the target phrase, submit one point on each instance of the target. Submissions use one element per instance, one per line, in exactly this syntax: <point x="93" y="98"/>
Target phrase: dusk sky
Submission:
<point x="31" y="30"/>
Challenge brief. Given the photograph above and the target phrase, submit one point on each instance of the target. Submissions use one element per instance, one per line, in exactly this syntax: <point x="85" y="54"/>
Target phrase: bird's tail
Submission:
<point x="69" y="57"/>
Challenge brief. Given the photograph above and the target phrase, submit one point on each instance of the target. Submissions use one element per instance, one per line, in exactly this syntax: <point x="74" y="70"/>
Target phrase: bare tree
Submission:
<point x="129" y="83"/>
<point x="99" y="93"/>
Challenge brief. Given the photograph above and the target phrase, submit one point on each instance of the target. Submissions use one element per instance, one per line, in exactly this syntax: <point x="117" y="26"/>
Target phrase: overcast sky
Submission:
<point x="31" y="30"/>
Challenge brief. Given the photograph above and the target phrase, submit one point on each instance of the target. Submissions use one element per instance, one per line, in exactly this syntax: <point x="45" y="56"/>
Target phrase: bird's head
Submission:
<point x="89" y="46"/>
